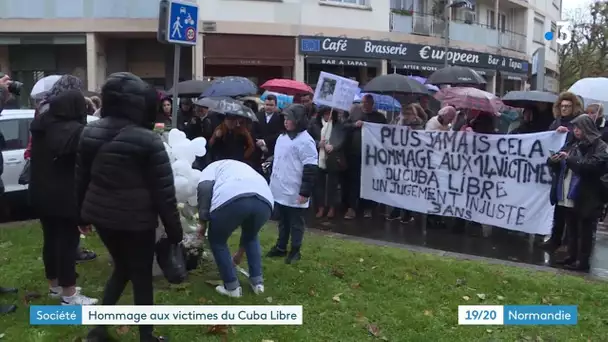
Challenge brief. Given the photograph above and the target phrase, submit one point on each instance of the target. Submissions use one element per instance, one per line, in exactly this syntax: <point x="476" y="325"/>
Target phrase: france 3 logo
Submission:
<point x="564" y="33"/>
<point x="310" y="45"/>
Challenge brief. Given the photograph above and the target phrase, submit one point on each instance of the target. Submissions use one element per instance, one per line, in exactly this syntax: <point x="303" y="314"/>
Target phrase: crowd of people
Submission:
<point x="123" y="182"/>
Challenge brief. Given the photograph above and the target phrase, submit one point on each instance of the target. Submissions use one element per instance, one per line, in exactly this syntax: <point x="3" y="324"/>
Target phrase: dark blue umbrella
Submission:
<point x="231" y="86"/>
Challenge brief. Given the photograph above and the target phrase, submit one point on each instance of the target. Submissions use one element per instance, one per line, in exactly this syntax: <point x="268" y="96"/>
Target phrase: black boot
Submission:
<point x="566" y="261"/>
<point x="6" y="309"/>
<point x="276" y="252"/>
<point x="293" y="256"/>
<point x="550" y="245"/>
<point x="578" y="266"/>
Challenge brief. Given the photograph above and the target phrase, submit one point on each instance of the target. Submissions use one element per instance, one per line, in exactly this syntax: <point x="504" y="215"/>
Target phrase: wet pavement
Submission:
<point x="496" y="243"/>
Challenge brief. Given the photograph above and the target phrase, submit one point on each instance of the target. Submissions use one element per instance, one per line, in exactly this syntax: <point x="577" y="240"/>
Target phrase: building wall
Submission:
<point x="55" y="9"/>
<point x="549" y="11"/>
<point x="117" y="20"/>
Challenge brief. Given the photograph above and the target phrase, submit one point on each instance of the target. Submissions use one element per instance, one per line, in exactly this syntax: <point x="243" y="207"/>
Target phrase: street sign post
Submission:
<point x="181" y="19"/>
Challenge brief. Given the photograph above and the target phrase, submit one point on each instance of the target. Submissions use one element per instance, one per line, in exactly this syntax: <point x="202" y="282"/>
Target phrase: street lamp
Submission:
<point x="446" y="17"/>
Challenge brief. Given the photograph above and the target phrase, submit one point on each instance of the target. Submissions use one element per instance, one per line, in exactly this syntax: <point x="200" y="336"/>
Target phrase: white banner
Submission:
<point x="498" y="180"/>
<point x="335" y="91"/>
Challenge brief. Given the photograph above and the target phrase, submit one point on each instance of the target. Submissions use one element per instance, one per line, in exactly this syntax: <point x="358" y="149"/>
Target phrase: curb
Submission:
<point x="459" y="256"/>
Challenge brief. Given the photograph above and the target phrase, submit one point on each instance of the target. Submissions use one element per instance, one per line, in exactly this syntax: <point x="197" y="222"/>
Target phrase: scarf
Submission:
<point x="325" y="135"/>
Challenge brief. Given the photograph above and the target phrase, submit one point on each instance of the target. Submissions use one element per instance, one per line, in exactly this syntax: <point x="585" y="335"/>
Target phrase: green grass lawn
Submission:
<point x="350" y="292"/>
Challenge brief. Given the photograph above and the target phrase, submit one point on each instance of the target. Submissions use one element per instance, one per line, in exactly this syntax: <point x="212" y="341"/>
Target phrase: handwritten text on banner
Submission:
<point x="499" y="180"/>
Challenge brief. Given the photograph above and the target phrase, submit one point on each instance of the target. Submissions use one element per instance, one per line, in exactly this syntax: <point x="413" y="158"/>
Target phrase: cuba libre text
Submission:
<point x="273" y="315"/>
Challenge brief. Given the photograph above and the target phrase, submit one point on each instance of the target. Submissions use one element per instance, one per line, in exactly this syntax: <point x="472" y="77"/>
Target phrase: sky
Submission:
<point x="570" y="7"/>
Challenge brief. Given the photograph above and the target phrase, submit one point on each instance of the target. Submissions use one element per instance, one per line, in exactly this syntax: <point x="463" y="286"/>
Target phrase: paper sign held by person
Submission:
<point x="335" y="91"/>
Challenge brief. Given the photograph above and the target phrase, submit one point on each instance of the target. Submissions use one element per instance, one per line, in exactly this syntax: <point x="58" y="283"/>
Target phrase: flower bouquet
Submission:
<point x="193" y="239"/>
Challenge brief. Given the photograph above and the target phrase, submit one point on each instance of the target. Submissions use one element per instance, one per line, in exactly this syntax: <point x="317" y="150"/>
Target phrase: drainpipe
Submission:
<point x="446" y="33"/>
<point x="499" y="47"/>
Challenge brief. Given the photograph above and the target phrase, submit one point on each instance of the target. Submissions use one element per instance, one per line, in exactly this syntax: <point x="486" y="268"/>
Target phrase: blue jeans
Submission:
<point x="251" y="213"/>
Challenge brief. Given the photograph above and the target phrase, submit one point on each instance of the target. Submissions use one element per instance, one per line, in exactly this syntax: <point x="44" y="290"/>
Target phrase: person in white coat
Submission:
<point x="293" y="176"/>
<point x="232" y="194"/>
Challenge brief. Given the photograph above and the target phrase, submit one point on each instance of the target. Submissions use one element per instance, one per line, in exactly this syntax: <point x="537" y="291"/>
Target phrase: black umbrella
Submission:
<point x="192" y="88"/>
<point x="526" y="99"/>
<point x="227" y="106"/>
<point x="455" y="75"/>
<point x="394" y="83"/>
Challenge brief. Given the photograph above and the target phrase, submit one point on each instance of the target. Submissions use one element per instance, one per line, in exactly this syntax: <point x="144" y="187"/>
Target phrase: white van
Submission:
<point x="15" y="127"/>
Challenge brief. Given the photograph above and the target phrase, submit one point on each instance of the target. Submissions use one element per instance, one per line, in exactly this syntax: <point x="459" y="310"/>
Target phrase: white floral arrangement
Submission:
<point x="182" y="154"/>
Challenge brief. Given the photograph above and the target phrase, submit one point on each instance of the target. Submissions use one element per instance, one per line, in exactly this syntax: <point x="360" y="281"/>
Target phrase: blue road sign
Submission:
<point x="183" y="23"/>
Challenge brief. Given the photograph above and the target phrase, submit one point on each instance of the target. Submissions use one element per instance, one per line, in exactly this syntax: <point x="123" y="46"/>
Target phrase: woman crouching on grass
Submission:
<point x="232" y="194"/>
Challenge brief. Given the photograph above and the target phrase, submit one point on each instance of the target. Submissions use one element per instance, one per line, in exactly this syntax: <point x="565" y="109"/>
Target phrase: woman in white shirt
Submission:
<point x="232" y="194"/>
<point x="293" y="175"/>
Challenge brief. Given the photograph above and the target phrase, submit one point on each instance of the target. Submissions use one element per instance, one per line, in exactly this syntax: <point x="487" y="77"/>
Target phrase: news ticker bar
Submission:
<point x="274" y="315"/>
<point x="517" y="314"/>
<point x="166" y="315"/>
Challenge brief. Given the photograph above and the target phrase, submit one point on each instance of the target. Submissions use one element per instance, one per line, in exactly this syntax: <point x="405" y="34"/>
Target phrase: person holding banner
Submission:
<point x="565" y="109"/>
<point x="329" y="136"/>
<point x="577" y="190"/>
<point x="353" y="158"/>
<point x="413" y="117"/>
<point x="292" y="181"/>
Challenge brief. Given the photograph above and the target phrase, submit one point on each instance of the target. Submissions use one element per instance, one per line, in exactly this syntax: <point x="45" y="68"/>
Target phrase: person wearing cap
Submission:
<point x="293" y="176"/>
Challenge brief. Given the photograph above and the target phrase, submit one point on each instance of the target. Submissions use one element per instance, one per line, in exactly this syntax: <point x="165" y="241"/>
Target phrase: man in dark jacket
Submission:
<point x="4" y="96"/>
<point x="55" y="136"/>
<point x="268" y="128"/>
<point x="367" y="114"/>
<point x="576" y="190"/>
<point x="124" y="184"/>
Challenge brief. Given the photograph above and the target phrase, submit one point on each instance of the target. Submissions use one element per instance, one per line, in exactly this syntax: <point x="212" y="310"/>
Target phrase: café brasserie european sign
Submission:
<point x="364" y="48"/>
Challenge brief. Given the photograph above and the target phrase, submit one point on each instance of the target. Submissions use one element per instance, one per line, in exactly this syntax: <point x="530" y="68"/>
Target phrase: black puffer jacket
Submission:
<point x="124" y="176"/>
<point x="55" y="137"/>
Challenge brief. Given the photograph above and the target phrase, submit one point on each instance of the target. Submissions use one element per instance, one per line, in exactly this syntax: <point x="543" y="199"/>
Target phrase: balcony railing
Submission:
<point x="468" y="31"/>
<point x="513" y="41"/>
<point x="428" y="25"/>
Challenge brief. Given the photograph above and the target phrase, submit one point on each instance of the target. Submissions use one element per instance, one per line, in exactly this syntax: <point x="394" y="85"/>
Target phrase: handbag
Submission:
<point x="171" y="260"/>
<point x="24" y="176"/>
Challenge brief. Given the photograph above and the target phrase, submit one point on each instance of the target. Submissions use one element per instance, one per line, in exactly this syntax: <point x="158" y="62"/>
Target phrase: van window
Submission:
<point x="15" y="134"/>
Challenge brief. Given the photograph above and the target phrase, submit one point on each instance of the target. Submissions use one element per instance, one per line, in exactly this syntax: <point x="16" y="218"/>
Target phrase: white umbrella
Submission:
<point x="43" y="86"/>
<point x="592" y="90"/>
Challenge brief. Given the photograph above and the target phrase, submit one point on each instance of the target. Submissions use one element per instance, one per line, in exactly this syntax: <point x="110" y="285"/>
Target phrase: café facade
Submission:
<point x="363" y="59"/>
